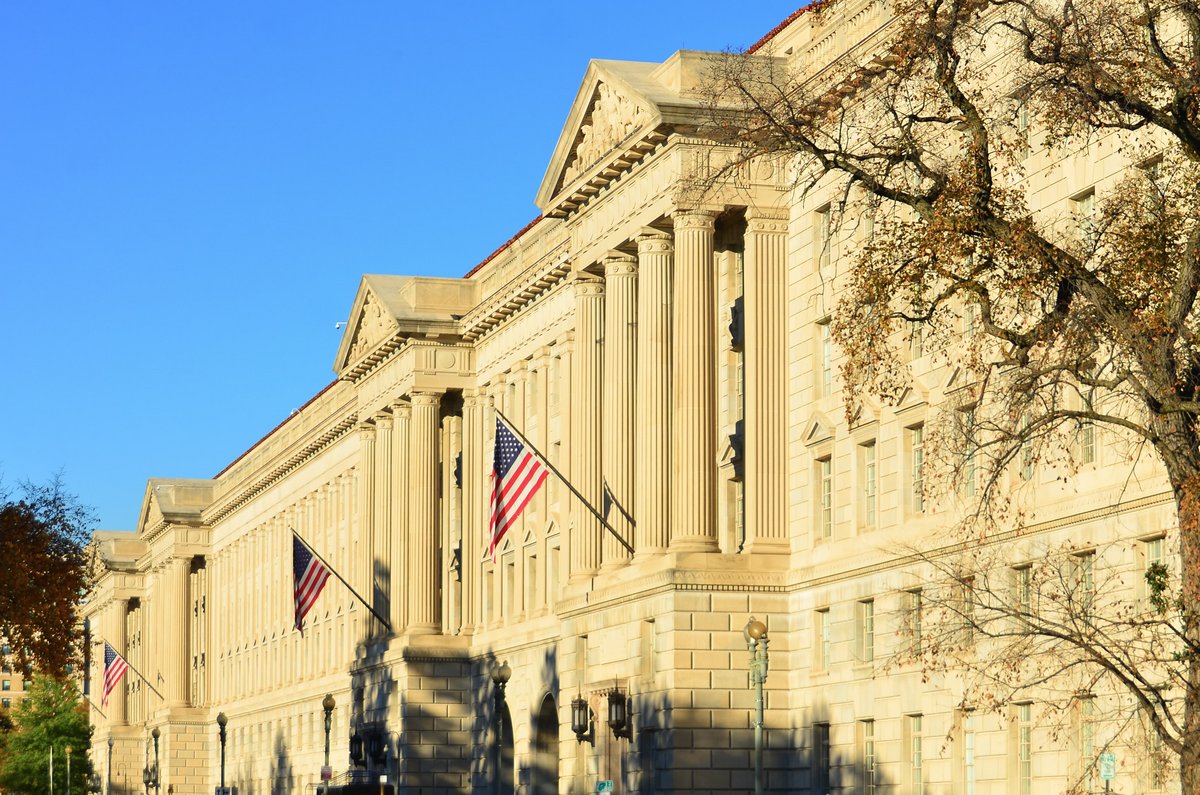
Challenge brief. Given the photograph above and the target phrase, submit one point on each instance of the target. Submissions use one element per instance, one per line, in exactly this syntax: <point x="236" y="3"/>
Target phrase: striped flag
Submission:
<point x="310" y="574"/>
<point x="517" y="474"/>
<point x="114" y="668"/>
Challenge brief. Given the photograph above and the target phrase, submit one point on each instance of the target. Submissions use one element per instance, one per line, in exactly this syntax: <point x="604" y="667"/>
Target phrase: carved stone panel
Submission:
<point x="611" y="119"/>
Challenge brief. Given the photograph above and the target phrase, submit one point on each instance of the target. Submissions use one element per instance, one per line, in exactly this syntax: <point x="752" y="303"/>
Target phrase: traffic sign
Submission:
<point x="605" y="786"/>
<point x="326" y="773"/>
<point x="1108" y="766"/>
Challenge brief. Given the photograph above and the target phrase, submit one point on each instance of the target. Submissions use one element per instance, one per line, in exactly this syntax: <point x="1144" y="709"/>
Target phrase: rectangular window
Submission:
<point x="866" y="631"/>
<point x="866" y="752"/>
<point x="971" y="320"/>
<point x="1023" y="576"/>
<point x="971" y="461"/>
<point x="916" y="761"/>
<point x="1157" y="762"/>
<point x="1087" y="443"/>
<point x="966" y="605"/>
<point x="6" y="684"/>
<point x="916" y="472"/>
<point x="823" y="639"/>
<point x="870" y="484"/>
<point x="1087" y="740"/>
<point x="916" y="339"/>
<point x="1085" y="581"/>
<point x="968" y="753"/>
<point x="1085" y="217"/>
<point x="1024" y="749"/>
<point x="1021" y="122"/>
<point x="1152" y="556"/>
<point x="821" y="762"/>
<point x="914" y="611"/>
<point x="825" y="493"/>
<point x="825" y="332"/>
<point x="1026" y="452"/>
<point x="823" y="223"/>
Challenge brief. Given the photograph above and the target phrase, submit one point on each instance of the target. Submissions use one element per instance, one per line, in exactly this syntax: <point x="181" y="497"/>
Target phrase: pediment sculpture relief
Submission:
<point x="373" y="327"/>
<point x="612" y="119"/>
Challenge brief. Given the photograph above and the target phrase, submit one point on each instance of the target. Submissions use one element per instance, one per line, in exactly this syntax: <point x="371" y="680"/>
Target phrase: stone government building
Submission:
<point x="603" y="331"/>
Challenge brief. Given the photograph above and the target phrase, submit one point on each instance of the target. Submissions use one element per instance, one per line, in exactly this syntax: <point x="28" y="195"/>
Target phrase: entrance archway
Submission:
<point x="545" y="749"/>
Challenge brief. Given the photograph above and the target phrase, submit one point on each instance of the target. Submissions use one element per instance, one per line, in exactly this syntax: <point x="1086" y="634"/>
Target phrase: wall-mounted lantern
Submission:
<point x="581" y="718"/>
<point x="618" y="714"/>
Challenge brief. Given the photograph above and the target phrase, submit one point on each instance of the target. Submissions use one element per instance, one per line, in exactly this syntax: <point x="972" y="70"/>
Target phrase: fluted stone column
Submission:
<point x="364" y="556"/>
<point x="693" y="387"/>
<point x="451" y="521"/>
<point x="586" y="378"/>
<point x="115" y="634"/>
<point x="397" y="562"/>
<point x="175" y="619"/>
<point x="765" y="280"/>
<point x="652" y="393"/>
<point x="620" y="315"/>
<point x="382" y="575"/>
<point x="475" y="496"/>
<point x="424" y="604"/>
<point x="541" y="410"/>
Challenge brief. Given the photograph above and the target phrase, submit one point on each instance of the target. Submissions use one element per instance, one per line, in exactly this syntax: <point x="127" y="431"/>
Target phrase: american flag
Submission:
<point x="310" y="574"/>
<point x="114" y="668"/>
<point x="517" y="474"/>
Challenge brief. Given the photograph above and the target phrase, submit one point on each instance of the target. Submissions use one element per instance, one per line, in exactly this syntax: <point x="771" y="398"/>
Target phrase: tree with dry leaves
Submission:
<point x="43" y="537"/>
<point x="934" y="132"/>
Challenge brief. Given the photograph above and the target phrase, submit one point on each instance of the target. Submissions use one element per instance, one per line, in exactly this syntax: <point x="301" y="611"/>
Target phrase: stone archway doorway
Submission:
<point x="545" y="749"/>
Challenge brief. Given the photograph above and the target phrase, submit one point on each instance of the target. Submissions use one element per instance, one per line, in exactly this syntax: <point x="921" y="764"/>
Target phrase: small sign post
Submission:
<point x="1108" y="768"/>
<point x="605" y="785"/>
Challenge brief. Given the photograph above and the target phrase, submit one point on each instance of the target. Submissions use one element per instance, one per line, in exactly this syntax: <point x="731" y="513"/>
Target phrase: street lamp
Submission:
<point x="756" y="640"/>
<point x="108" y="770"/>
<point x="327" y="704"/>
<point x="156" y="734"/>
<point x="500" y="678"/>
<point x="68" y="750"/>
<point x="221" y="722"/>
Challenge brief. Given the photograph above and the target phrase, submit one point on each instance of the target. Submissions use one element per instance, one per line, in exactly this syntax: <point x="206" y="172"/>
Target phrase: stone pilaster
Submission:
<point x="620" y="316"/>
<point x="401" y="420"/>
<point x="424" y="604"/>
<point x="586" y="378"/>
<point x="475" y="498"/>
<point x="765" y="280"/>
<point x="541" y="409"/>
<point x="693" y="387"/>
<point x="175" y="616"/>
<point x="451" y="521"/>
<point x="652" y="393"/>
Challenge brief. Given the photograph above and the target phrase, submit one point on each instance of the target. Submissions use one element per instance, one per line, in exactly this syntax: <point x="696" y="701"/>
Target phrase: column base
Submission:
<point x="767" y="546"/>
<point x="694" y="544"/>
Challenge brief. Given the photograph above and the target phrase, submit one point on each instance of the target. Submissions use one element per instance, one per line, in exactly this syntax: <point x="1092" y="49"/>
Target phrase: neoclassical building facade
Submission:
<point x="671" y="346"/>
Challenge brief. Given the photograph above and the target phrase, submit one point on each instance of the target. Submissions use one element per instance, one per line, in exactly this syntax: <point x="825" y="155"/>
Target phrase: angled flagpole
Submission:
<point x="567" y="483"/>
<point x="333" y="571"/>
<point x="136" y="671"/>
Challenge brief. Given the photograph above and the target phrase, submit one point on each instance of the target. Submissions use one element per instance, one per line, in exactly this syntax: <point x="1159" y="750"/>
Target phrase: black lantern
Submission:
<point x="356" y="749"/>
<point x="618" y="715"/>
<point x="581" y="718"/>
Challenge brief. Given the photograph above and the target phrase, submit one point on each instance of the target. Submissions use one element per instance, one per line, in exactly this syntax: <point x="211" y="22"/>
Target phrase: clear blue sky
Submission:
<point x="189" y="193"/>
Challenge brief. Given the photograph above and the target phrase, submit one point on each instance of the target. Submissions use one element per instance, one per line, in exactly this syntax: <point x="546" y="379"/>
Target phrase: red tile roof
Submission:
<point x="775" y="31"/>
<point x="497" y="252"/>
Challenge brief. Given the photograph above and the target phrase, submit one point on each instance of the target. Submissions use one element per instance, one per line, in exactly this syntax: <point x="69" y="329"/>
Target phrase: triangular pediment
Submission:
<point x="389" y="308"/>
<point x="618" y="105"/>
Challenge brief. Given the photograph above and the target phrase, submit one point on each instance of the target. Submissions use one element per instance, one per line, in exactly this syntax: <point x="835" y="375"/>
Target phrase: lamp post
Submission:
<point x="108" y="770"/>
<point x="327" y="704"/>
<point x="221" y="722"/>
<point x="68" y="750"/>
<point x="756" y="640"/>
<point x="155" y="734"/>
<point x="500" y="678"/>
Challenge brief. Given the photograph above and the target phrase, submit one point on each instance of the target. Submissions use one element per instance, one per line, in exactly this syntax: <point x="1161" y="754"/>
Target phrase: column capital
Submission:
<point x="366" y="429"/>
<point x="587" y="285"/>
<point x="686" y="218"/>
<point x="425" y="399"/>
<point x="518" y="367"/>
<point x="618" y="263"/>
<point x="401" y="409"/>
<point x="472" y="398"/>
<point x="383" y="420"/>
<point x="766" y="219"/>
<point x="655" y="241"/>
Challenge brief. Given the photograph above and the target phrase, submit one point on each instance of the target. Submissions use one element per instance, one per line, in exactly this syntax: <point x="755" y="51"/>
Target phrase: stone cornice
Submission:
<point x="520" y="291"/>
<point x="227" y="506"/>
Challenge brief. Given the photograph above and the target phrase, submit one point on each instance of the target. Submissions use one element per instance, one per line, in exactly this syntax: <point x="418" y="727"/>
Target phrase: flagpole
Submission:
<point x="333" y="571"/>
<point x="567" y="483"/>
<point x="139" y="673"/>
<point x="617" y="503"/>
<point x="92" y="704"/>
